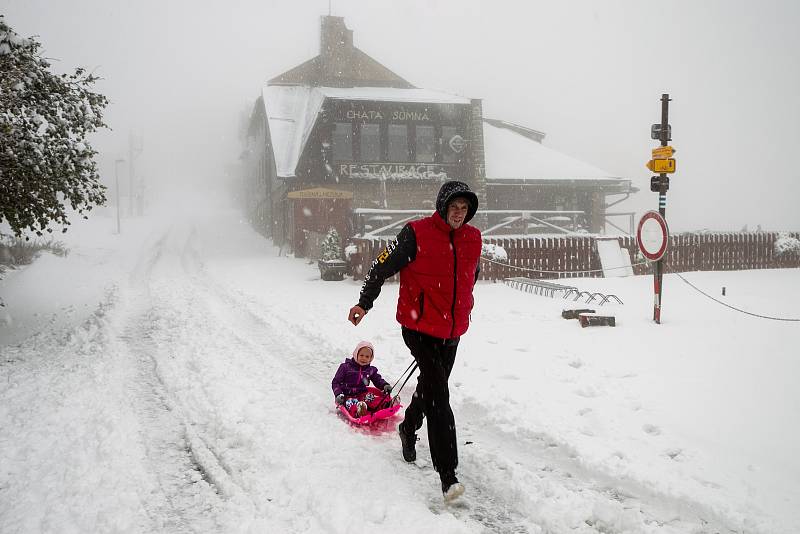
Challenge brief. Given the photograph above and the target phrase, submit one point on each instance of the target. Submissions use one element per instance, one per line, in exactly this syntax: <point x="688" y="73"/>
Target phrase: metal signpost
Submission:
<point x="662" y="163"/>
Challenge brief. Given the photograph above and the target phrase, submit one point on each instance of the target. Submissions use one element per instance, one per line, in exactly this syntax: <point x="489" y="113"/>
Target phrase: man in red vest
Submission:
<point x="438" y="261"/>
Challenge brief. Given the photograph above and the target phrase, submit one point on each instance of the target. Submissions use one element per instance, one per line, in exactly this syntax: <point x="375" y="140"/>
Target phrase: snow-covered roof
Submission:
<point x="292" y="110"/>
<point x="392" y="94"/>
<point x="510" y="155"/>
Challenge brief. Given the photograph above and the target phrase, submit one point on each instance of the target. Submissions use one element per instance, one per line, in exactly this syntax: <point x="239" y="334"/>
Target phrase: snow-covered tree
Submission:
<point x="786" y="244"/>
<point x="331" y="247"/>
<point x="46" y="163"/>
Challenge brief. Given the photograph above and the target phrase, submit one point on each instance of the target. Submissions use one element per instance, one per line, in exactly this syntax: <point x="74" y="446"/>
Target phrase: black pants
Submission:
<point x="435" y="358"/>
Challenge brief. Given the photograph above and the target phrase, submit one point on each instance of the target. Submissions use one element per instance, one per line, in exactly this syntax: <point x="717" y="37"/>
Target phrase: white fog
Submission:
<point x="166" y="364"/>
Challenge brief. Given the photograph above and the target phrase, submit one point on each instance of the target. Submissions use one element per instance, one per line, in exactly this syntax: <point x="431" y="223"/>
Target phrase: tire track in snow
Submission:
<point x="182" y="481"/>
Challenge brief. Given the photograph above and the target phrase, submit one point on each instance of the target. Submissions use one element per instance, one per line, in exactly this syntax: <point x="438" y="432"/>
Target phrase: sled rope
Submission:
<point x="412" y="364"/>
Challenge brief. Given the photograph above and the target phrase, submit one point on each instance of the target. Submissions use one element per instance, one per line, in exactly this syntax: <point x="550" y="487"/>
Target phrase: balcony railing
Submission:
<point x="376" y="222"/>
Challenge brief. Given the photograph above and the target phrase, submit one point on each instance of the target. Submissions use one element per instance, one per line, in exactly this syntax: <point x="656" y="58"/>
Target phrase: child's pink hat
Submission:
<point x="361" y="345"/>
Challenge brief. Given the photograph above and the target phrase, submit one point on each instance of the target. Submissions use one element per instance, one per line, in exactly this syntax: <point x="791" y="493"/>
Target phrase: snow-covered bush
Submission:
<point x="46" y="163"/>
<point x="786" y="244"/>
<point x="331" y="247"/>
<point x="350" y="250"/>
<point x="494" y="252"/>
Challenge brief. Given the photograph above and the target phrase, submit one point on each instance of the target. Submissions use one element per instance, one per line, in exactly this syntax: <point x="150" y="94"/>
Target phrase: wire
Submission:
<point x="733" y="307"/>
<point x="642" y="263"/>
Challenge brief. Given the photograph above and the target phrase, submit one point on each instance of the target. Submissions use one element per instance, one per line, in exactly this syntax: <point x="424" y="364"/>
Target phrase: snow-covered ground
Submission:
<point x="176" y="378"/>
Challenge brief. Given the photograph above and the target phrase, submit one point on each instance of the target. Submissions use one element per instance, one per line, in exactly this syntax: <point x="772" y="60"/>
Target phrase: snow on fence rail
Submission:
<point x="567" y="257"/>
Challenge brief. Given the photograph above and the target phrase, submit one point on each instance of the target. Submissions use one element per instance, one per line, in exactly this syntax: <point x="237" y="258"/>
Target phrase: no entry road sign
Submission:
<point x="652" y="235"/>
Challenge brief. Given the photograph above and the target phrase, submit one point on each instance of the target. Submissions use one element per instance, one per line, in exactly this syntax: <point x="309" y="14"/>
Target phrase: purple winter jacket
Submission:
<point x="353" y="379"/>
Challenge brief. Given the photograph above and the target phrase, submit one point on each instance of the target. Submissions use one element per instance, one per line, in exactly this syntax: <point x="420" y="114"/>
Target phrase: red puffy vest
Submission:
<point x="436" y="288"/>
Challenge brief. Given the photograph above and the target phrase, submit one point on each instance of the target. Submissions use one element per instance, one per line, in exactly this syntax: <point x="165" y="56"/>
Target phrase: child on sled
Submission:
<point x="350" y="384"/>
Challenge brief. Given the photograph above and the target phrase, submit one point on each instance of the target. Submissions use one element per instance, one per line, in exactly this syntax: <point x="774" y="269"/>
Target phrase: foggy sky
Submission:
<point x="587" y="73"/>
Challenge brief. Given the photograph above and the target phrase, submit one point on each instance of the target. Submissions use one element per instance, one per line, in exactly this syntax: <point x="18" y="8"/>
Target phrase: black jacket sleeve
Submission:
<point x="398" y="254"/>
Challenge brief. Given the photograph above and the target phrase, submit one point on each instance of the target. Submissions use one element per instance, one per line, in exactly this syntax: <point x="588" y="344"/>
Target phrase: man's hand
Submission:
<point x="356" y="314"/>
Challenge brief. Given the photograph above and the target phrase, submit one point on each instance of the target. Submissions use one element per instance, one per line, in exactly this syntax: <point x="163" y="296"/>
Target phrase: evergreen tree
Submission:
<point x="46" y="164"/>
<point x="331" y="246"/>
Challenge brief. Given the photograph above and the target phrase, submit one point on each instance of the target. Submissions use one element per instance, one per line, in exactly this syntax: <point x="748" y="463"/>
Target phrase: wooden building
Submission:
<point x="342" y="133"/>
<point x="524" y="174"/>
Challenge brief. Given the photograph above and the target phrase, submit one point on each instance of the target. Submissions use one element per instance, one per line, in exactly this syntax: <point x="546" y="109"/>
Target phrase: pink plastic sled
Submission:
<point x="371" y="417"/>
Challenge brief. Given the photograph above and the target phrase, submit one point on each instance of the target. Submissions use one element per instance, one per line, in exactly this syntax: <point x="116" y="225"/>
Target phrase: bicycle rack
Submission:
<point x="541" y="287"/>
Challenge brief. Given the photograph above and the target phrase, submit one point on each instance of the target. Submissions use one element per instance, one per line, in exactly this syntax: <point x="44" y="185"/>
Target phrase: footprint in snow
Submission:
<point x="588" y="392"/>
<point x="653" y="430"/>
<point x="708" y="483"/>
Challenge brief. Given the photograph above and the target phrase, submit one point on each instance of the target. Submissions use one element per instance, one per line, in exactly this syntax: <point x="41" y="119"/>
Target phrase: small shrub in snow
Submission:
<point x="494" y="252"/>
<point x="22" y="251"/>
<point x="786" y="244"/>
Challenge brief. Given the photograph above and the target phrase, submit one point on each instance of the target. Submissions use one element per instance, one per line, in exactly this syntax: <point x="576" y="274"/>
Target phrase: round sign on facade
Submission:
<point x="652" y="235"/>
<point x="457" y="144"/>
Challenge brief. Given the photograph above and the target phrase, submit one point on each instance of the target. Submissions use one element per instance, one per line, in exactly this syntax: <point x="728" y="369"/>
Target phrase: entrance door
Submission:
<point x="313" y="217"/>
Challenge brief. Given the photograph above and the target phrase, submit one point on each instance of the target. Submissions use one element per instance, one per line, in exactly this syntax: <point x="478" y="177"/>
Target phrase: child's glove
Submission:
<point x="340" y="398"/>
<point x="387" y="389"/>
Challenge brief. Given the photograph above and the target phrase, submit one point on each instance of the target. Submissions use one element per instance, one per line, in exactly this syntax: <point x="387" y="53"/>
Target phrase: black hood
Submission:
<point x="455" y="189"/>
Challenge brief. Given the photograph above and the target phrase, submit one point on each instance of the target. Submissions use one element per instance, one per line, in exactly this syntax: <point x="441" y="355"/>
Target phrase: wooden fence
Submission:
<point x="567" y="257"/>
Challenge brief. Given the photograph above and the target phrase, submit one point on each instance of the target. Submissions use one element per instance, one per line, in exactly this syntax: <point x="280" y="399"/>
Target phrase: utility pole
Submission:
<point x="116" y="186"/>
<point x="131" y="174"/>
<point x="134" y="149"/>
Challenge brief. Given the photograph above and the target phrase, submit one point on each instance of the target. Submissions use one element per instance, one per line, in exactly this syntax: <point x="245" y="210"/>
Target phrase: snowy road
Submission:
<point x="193" y="399"/>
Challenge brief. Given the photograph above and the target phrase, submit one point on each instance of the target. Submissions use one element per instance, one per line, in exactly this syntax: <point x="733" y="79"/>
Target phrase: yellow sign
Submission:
<point x="663" y="152"/>
<point x="320" y="192"/>
<point x="661" y="165"/>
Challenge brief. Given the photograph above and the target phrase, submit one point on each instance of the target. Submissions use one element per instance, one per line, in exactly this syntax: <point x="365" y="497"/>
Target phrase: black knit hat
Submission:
<point x="456" y="189"/>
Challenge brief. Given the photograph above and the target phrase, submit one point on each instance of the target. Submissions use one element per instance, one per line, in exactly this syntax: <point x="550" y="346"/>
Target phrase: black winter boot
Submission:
<point x="452" y="489"/>
<point x="409" y="441"/>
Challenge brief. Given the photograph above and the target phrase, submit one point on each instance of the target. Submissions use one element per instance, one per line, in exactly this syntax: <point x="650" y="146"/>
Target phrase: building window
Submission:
<point x="425" y="144"/>
<point x="448" y="154"/>
<point x="343" y="141"/>
<point x="398" y="143"/>
<point x="370" y="142"/>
